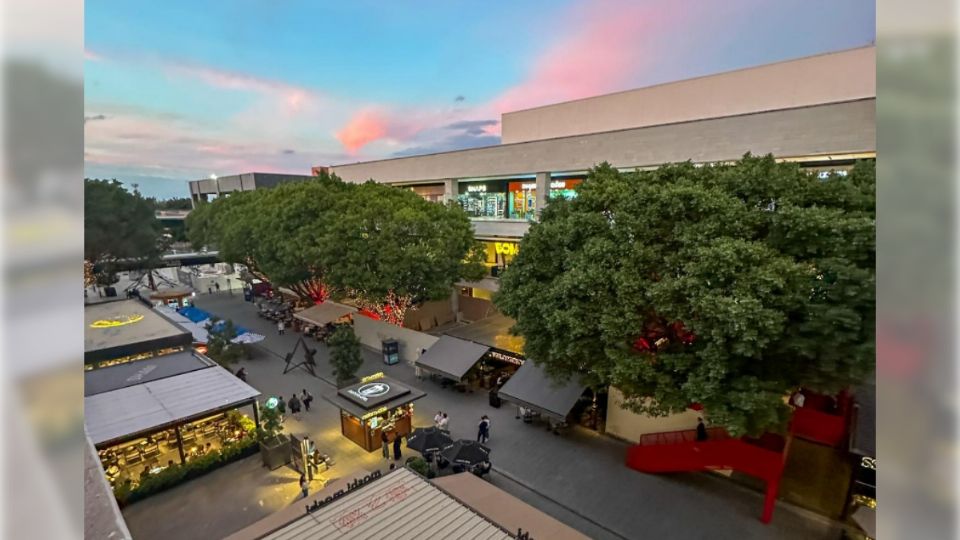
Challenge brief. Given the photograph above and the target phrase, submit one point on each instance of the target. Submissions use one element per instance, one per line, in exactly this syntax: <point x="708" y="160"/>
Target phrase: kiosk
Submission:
<point x="375" y="404"/>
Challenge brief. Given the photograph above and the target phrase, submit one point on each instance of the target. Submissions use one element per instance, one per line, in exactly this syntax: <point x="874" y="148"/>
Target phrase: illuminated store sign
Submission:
<point x="528" y="187"/>
<point x="506" y="248"/>
<point x="477" y="189"/>
<point x="121" y="321"/>
<point x="505" y="357"/>
<point x="370" y="390"/>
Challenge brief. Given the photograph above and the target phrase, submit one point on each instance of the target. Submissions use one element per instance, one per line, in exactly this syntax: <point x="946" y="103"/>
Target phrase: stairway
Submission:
<point x="679" y="451"/>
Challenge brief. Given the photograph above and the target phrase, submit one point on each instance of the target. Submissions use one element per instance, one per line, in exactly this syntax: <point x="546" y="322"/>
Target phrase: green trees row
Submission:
<point x="729" y="286"/>
<point x="386" y="247"/>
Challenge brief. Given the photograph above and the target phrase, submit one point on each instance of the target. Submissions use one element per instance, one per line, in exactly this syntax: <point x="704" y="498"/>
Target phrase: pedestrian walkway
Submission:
<point x="578" y="478"/>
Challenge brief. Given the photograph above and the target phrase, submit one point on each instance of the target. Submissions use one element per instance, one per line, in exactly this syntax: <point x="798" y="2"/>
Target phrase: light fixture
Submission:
<point x="213" y="176"/>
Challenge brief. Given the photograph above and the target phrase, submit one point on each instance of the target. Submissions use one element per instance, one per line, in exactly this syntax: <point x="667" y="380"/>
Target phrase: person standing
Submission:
<point x="216" y="285"/>
<point x="396" y="448"/>
<point x="280" y="327"/>
<point x="209" y="289"/>
<point x="385" y="440"/>
<point x="437" y="418"/>
<point x="444" y="423"/>
<point x="294" y="404"/>
<point x="306" y="398"/>
<point x="483" y="432"/>
<point x="242" y="374"/>
<point x="304" y="486"/>
<point x="701" y="430"/>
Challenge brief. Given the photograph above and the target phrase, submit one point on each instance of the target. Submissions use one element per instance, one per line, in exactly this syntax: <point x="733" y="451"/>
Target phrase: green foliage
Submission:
<point x="179" y="473"/>
<point x="118" y="225"/>
<point x="220" y="346"/>
<point x="326" y="236"/>
<point x="270" y="425"/>
<point x="419" y="466"/>
<point x="345" y="355"/>
<point x="769" y="268"/>
<point x="175" y="203"/>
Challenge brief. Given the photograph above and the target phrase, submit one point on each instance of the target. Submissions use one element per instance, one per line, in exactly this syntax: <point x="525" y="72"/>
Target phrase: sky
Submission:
<point x="180" y="90"/>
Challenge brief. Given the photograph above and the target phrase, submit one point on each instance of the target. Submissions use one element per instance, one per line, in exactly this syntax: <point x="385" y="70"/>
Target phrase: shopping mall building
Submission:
<point x="818" y="111"/>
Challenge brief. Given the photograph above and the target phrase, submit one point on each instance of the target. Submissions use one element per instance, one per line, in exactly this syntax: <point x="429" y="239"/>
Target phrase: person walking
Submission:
<point x="396" y="448"/>
<point x="280" y="327"/>
<point x="438" y="418"/>
<point x="701" y="430"/>
<point x="216" y="285"/>
<point x="304" y="486"/>
<point x="209" y="289"/>
<point x="385" y="439"/>
<point x="444" y="423"/>
<point x="294" y="404"/>
<point x="306" y="398"/>
<point x="483" y="432"/>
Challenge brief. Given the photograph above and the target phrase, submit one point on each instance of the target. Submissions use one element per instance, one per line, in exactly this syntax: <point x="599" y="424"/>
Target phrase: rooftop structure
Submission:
<point x="201" y="190"/>
<point x="126" y="328"/>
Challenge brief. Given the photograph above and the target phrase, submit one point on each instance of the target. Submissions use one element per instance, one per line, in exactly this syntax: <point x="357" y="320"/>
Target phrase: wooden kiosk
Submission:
<point x="375" y="404"/>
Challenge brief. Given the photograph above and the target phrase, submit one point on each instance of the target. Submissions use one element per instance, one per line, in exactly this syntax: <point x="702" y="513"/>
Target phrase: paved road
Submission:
<point x="578" y="478"/>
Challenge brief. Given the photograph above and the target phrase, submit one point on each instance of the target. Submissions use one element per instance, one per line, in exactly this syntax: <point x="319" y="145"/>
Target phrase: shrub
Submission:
<point x="419" y="466"/>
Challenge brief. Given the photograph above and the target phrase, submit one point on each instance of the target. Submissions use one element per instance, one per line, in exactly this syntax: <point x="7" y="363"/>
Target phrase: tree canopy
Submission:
<point x="345" y="355"/>
<point x="728" y="285"/>
<point x="386" y="247"/>
<point x="119" y="227"/>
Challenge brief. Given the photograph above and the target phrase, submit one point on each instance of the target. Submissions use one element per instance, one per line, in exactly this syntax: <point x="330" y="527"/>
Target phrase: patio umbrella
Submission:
<point x="466" y="452"/>
<point x="427" y="440"/>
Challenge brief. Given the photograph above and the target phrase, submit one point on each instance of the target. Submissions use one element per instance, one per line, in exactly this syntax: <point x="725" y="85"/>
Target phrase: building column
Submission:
<point x="450" y="189"/>
<point x="543" y="191"/>
<point x="256" y="414"/>
<point x="183" y="458"/>
<point x="455" y="302"/>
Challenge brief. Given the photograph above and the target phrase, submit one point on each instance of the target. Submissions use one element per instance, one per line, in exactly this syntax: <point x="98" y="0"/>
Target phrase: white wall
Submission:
<point x="372" y="332"/>
<point x="630" y="426"/>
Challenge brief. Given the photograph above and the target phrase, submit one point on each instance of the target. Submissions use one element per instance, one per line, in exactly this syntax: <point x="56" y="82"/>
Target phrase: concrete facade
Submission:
<point x="818" y="132"/>
<point x="202" y="189"/>
<point x="826" y="78"/>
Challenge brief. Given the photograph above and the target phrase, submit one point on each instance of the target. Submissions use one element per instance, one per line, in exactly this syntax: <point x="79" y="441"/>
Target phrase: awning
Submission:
<point x="324" y="313"/>
<point x="451" y="357"/>
<point x="137" y="410"/>
<point x="98" y="381"/>
<point x="531" y="387"/>
<point x="492" y="331"/>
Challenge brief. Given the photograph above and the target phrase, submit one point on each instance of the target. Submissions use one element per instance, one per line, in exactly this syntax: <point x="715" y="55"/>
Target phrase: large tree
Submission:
<point x="120" y="229"/>
<point x="727" y="285"/>
<point x="391" y="249"/>
<point x="386" y="247"/>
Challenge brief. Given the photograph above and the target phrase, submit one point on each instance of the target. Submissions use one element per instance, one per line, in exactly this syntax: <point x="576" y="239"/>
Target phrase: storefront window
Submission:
<point x="565" y="187"/>
<point x="523" y="200"/>
<point x="484" y="199"/>
<point x="432" y="193"/>
<point x="499" y="255"/>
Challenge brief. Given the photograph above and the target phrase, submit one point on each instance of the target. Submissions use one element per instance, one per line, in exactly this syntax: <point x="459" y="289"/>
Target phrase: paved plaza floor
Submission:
<point x="579" y="478"/>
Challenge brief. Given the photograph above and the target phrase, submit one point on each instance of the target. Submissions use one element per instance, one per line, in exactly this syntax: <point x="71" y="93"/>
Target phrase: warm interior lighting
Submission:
<point x="110" y="323"/>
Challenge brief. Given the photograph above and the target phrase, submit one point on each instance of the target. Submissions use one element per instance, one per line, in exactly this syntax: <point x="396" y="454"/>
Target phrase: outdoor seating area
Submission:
<point x="276" y="310"/>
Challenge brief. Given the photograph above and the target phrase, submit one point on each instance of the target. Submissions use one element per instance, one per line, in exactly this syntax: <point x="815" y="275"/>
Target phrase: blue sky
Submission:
<point x="180" y="90"/>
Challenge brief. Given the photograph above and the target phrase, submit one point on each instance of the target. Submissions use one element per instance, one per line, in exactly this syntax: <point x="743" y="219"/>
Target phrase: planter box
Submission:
<point x="276" y="452"/>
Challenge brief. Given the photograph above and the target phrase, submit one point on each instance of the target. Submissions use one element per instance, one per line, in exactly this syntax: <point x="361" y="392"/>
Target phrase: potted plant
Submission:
<point x="274" y="445"/>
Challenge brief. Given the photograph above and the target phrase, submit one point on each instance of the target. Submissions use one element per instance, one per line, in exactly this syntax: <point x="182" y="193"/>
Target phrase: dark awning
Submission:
<point x="451" y="357"/>
<point x="863" y="439"/>
<point x="98" y="381"/>
<point x="531" y="387"/>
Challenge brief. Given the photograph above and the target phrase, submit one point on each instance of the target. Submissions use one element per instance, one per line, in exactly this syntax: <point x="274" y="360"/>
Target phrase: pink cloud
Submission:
<point x="600" y="50"/>
<point x="91" y="56"/>
<point x="366" y="126"/>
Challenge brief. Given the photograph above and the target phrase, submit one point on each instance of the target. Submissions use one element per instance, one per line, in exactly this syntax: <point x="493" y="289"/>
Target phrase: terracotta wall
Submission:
<point x="429" y="315"/>
<point x="474" y="309"/>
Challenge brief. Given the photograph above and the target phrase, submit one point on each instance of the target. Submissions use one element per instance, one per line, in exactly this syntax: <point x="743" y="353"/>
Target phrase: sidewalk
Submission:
<point x="581" y="474"/>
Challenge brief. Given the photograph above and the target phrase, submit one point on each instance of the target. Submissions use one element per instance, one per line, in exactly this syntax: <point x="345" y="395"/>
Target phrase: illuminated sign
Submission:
<point x="375" y="376"/>
<point x="477" y="189"/>
<point x="506" y="248"/>
<point x="528" y="187"/>
<point x="371" y="414"/>
<point x="370" y="390"/>
<point x="868" y="463"/>
<point x="558" y="184"/>
<point x="505" y="357"/>
<point x="272" y="403"/>
<point x="110" y="323"/>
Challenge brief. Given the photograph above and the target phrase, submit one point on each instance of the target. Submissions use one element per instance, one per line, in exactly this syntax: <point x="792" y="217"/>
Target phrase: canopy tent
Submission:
<point x="99" y="381"/>
<point x="532" y="388"/>
<point x="324" y="313"/>
<point x="199" y="327"/>
<point x="128" y="327"/>
<point x="133" y="411"/>
<point x="451" y="357"/>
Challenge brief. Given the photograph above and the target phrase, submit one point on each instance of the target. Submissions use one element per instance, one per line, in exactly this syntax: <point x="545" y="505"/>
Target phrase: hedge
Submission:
<point x="179" y="473"/>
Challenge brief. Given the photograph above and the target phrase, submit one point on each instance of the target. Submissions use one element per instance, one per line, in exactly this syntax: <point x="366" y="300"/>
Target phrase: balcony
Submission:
<point x="500" y="228"/>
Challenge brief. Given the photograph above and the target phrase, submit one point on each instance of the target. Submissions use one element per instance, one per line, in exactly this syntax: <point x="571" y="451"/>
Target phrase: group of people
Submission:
<point x="304" y="399"/>
<point x="441" y="421"/>
<point x="397" y="440"/>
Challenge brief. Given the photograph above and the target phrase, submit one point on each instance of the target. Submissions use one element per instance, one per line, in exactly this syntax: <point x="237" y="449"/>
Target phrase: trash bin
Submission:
<point x="391" y="351"/>
<point x="495" y="400"/>
<point x="110" y="291"/>
<point x="248" y="295"/>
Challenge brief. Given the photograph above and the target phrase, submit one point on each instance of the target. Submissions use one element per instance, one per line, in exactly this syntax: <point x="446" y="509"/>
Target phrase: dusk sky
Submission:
<point x="179" y="90"/>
